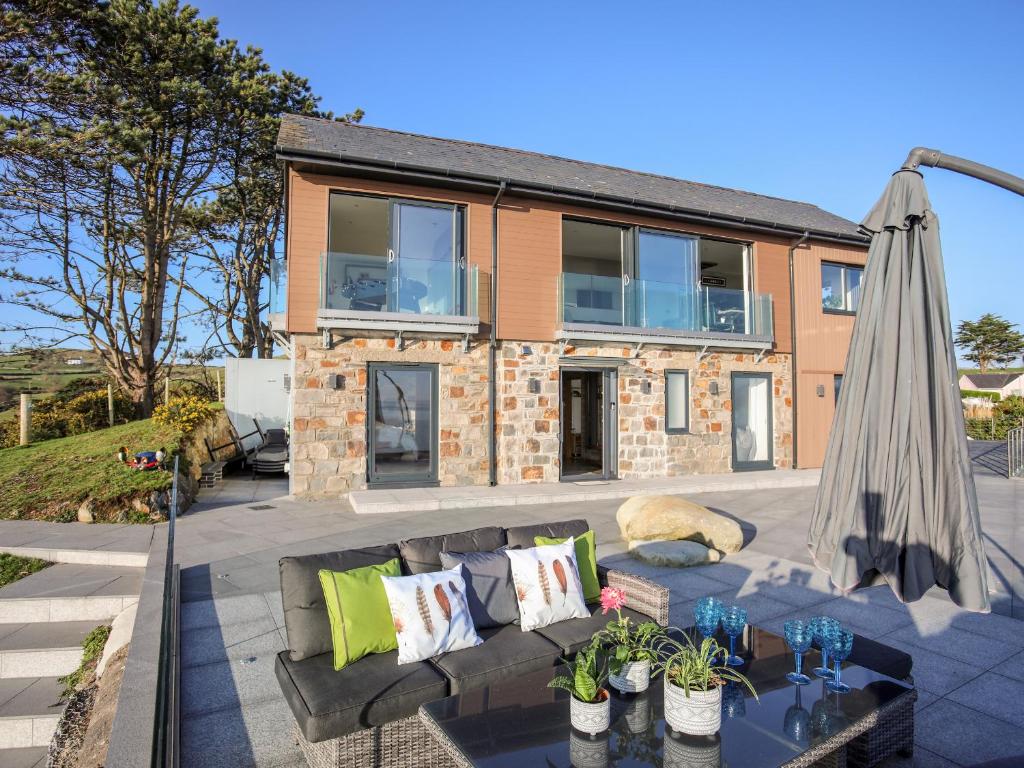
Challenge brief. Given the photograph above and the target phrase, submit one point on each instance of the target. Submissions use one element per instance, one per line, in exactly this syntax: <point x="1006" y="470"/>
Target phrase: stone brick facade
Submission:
<point x="329" y="429"/>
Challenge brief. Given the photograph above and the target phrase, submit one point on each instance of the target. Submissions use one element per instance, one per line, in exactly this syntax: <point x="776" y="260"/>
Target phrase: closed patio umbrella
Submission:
<point x="896" y="503"/>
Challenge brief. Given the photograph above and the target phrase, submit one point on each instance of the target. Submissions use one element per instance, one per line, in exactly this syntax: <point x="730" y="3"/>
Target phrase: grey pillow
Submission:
<point x="305" y="613"/>
<point x="490" y="592"/>
<point x="423" y="555"/>
<point x="522" y="536"/>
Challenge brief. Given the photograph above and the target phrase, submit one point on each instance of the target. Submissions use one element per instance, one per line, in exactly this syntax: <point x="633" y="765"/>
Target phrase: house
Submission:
<point x="464" y="314"/>
<point x="74" y="361"/>
<point x="1005" y="384"/>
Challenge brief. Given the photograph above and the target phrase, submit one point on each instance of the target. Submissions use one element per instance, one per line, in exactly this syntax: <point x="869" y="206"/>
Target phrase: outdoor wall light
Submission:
<point x="645" y="387"/>
<point x="335" y="381"/>
<point x="534" y="386"/>
<point x="821" y="390"/>
<point x="527" y="350"/>
<point x="713" y="387"/>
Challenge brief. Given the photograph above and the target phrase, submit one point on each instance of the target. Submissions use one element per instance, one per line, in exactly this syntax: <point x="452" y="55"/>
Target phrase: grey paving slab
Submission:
<point x="870" y="620"/>
<point x="40" y="697"/>
<point x="56" y="634"/>
<point x="992" y="693"/>
<point x="934" y="672"/>
<point x="224" y="685"/>
<point x="24" y="757"/>
<point x="208" y="645"/>
<point x="966" y="736"/>
<point x="65" y="580"/>
<point x="1013" y="667"/>
<point x="956" y="644"/>
<point x="257" y="735"/>
<point x="223" y="611"/>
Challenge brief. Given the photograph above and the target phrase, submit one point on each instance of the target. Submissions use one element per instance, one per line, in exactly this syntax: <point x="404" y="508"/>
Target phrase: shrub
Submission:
<point x="183" y="413"/>
<point x="995" y="397"/>
<point x="70" y="411"/>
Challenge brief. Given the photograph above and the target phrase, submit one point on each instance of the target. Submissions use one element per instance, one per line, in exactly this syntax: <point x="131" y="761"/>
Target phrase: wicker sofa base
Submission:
<point x="402" y="744"/>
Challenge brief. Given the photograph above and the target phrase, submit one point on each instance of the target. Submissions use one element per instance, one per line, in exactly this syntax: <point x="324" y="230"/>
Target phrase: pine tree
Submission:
<point x="990" y="340"/>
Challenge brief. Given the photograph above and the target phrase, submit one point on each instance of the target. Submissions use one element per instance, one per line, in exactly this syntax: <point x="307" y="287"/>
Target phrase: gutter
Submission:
<point x="446" y="177"/>
<point x="792" y="336"/>
<point x="492" y="346"/>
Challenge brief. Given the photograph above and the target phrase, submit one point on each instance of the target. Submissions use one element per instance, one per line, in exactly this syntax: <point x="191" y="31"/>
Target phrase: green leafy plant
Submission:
<point x="628" y="642"/>
<point x="695" y="667"/>
<point x="92" y="649"/>
<point x="588" y="673"/>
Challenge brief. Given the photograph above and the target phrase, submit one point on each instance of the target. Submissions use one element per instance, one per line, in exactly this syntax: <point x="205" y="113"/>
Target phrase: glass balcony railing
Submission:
<point x="278" y="298"/>
<point x="649" y="304"/>
<point x="361" y="283"/>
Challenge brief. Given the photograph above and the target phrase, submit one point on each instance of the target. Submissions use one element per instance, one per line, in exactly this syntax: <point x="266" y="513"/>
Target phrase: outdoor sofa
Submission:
<point x="366" y="714"/>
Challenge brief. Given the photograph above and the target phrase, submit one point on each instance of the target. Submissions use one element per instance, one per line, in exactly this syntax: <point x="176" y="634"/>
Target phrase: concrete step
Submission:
<point x="42" y="649"/>
<point x="81" y="556"/>
<point x="65" y="592"/>
<point x="24" y="757"/>
<point x="29" y="711"/>
<point x="106" y="544"/>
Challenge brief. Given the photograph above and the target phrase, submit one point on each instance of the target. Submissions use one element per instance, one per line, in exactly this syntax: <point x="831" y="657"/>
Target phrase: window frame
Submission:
<point x="844" y="268"/>
<point x="685" y="430"/>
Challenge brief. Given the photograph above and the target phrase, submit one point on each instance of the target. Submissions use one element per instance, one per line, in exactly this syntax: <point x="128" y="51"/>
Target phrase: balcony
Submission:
<point x="601" y="308"/>
<point x="366" y="293"/>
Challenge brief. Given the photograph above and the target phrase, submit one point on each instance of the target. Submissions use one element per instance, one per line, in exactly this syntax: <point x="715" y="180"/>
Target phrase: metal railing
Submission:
<point x="619" y="301"/>
<point x="1015" y="452"/>
<point x="165" y="727"/>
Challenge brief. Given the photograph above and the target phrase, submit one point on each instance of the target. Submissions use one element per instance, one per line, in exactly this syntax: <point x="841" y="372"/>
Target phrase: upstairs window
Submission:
<point x="840" y="287"/>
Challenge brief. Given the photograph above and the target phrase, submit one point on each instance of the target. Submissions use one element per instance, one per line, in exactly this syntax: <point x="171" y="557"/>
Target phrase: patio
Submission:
<point x="969" y="668"/>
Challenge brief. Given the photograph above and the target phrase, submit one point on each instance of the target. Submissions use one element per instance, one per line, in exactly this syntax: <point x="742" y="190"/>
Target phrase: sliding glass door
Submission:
<point x="426" y="265"/>
<point x="402" y="418"/>
<point x="664" y="282"/>
<point x="752" y="421"/>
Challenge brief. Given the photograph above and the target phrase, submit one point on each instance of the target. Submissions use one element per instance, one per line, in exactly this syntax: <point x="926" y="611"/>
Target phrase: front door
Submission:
<point x="589" y="424"/>
<point x="752" y="421"/>
<point x="402" y="424"/>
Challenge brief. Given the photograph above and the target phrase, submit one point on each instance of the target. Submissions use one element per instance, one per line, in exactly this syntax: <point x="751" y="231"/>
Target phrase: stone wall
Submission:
<point x="329" y="430"/>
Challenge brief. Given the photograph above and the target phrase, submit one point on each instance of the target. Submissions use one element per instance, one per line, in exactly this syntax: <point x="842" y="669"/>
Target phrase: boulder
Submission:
<point x="671" y="518"/>
<point x="674" y="554"/>
<point x="85" y="512"/>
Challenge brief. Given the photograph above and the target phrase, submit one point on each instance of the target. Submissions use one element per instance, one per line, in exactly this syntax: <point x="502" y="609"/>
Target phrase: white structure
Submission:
<point x="256" y="389"/>
<point x="74" y="361"/>
<point x="1005" y="384"/>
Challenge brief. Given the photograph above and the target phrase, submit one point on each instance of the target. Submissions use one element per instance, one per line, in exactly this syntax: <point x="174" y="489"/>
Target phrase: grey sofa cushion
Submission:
<point x="373" y="691"/>
<point x="880" y="658"/>
<point x="522" y="536"/>
<point x="573" y="634"/>
<point x="423" y="555"/>
<point x="490" y="591"/>
<point x="505" y="653"/>
<point x="305" y="614"/>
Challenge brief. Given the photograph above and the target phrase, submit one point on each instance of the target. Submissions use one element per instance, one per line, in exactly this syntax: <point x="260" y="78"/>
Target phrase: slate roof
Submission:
<point x="991" y="380"/>
<point x="327" y="139"/>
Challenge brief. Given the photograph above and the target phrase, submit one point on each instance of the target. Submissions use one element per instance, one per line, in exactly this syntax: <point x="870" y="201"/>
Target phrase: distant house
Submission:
<point x="74" y="361"/>
<point x="1005" y="384"/>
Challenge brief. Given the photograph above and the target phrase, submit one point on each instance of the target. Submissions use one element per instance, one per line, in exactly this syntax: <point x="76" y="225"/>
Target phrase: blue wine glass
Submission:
<point x="839" y="646"/>
<point x="822" y="628"/>
<point x="797" y="721"/>
<point x="707" y="613"/>
<point x="734" y="701"/>
<point x="733" y="621"/>
<point x="798" y="636"/>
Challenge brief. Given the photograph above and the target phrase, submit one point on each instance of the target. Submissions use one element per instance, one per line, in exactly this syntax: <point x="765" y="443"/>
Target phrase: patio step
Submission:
<point x="24" y="757"/>
<point x="82" y="556"/>
<point x="66" y="592"/>
<point x="29" y="711"/>
<point x="42" y="649"/>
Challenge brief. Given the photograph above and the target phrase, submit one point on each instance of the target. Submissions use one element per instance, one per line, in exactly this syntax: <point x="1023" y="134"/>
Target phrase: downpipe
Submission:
<point x="792" y="338"/>
<point x="492" y="346"/>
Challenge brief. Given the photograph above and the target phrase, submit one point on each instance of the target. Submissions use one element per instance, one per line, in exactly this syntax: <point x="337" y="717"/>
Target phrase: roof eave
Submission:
<point x="527" y="189"/>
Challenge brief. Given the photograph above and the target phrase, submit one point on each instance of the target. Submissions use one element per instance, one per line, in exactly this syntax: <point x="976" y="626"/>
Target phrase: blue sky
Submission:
<point x="807" y="100"/>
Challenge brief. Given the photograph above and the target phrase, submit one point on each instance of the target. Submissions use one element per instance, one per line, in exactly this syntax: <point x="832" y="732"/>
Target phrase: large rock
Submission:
<point x="669" y="517"/>
<point x="674" y="554"/>
<point x="85" y="514"/>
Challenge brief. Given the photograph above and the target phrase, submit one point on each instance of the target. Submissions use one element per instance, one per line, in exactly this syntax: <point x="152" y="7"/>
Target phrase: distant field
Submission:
<point x="969" y="371"/>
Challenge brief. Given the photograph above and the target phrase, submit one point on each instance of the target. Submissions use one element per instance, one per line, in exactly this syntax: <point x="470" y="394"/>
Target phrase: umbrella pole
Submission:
<point x="934" y="159"/>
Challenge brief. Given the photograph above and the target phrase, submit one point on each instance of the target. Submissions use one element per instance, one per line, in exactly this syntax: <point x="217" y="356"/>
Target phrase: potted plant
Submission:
<point x="694" y="678"/>
<point x="589" y="702"/>
<point x="631" y="645"/>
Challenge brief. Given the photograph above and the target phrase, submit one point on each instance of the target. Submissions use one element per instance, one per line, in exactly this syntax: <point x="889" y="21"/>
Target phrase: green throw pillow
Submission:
<point x="359" y="611"/>
<point x="586" y="561"/>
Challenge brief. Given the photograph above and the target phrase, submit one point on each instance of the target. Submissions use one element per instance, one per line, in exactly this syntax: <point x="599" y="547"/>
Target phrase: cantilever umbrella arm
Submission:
<point x="934" y="159"/>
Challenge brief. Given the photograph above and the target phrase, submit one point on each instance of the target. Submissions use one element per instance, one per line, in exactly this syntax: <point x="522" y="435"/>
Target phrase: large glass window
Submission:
<point x="403" y="413"/>
<point x="592" y="264"/>
<point x="677" y="401"/>
<point x="390" y="255"/>
<point x="665" y="293"/>
<point x="840" y="287"/>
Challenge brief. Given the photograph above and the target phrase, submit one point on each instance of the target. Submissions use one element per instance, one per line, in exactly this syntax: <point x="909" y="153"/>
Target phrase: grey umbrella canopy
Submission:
<point x="896" y="502"/>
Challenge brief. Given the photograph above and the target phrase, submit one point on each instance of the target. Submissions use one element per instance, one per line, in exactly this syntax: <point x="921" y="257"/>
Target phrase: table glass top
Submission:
<point x="521" y="722"/>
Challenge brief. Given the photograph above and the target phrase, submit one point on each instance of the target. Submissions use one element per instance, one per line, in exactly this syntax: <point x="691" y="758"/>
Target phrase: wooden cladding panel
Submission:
<point x="529" y="265"/>
<point x="815" y="417"/>
<point x="771" y="275"/>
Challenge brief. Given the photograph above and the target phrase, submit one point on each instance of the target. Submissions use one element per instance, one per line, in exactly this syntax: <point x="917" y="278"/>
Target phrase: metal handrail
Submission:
<point x="165" y="727"/>
<point x="1015" y="452"/>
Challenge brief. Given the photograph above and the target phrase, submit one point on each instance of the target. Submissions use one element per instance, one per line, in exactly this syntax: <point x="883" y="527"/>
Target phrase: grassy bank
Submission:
<point x="49" y="480"/>
<point x="13" y="568"/>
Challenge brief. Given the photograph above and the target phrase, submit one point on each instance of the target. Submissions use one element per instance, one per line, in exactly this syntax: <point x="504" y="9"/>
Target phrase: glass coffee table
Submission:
<point x="520" y="723"/>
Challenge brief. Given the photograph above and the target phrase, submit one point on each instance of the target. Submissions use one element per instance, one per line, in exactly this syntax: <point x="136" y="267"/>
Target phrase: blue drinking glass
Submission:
<point x="798" y="636"/>
<point x="734" y="701"/>
<point x="839" y="646"/>
<point x="733" y="621"/>
<point x="706" y="614"/>
<point x="822" y="629"/>
<point x="797" y="721"/>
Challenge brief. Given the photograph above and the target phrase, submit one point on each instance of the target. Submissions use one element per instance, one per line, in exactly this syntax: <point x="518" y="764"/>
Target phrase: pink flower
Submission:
<point x="612" y="599"/>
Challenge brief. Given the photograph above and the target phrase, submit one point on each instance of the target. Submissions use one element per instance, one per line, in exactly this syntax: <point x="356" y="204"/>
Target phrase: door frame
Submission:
<point x="768" y="463"/>
<point x="610" y="436"/>
<point x="419" y="480"/>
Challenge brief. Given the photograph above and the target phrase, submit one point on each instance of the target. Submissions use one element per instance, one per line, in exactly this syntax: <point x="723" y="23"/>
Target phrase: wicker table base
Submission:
<point x="404" y="743"/>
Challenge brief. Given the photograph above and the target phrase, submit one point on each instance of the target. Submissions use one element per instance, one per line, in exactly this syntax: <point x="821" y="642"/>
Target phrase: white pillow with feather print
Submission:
<point x="430" y="614"/>
<point x="548" y="585"/>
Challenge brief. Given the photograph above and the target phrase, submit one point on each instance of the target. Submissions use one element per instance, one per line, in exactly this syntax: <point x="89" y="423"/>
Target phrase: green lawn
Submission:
<point x="13" y="568"/>
<point x="50" y="479"/>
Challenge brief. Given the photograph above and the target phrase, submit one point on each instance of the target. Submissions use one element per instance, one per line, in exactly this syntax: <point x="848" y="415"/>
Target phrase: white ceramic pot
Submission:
<point x="698" y="715"/>
<point x="634" y="677"/>
<point x="588" y="751"/>
<point x="592" y="718"/>
<point x="638" y="714"/>
<point x="692" y="751"/>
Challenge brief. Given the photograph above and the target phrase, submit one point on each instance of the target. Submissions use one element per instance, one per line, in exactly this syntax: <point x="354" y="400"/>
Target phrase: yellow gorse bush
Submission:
<point x="183" y="413"/>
